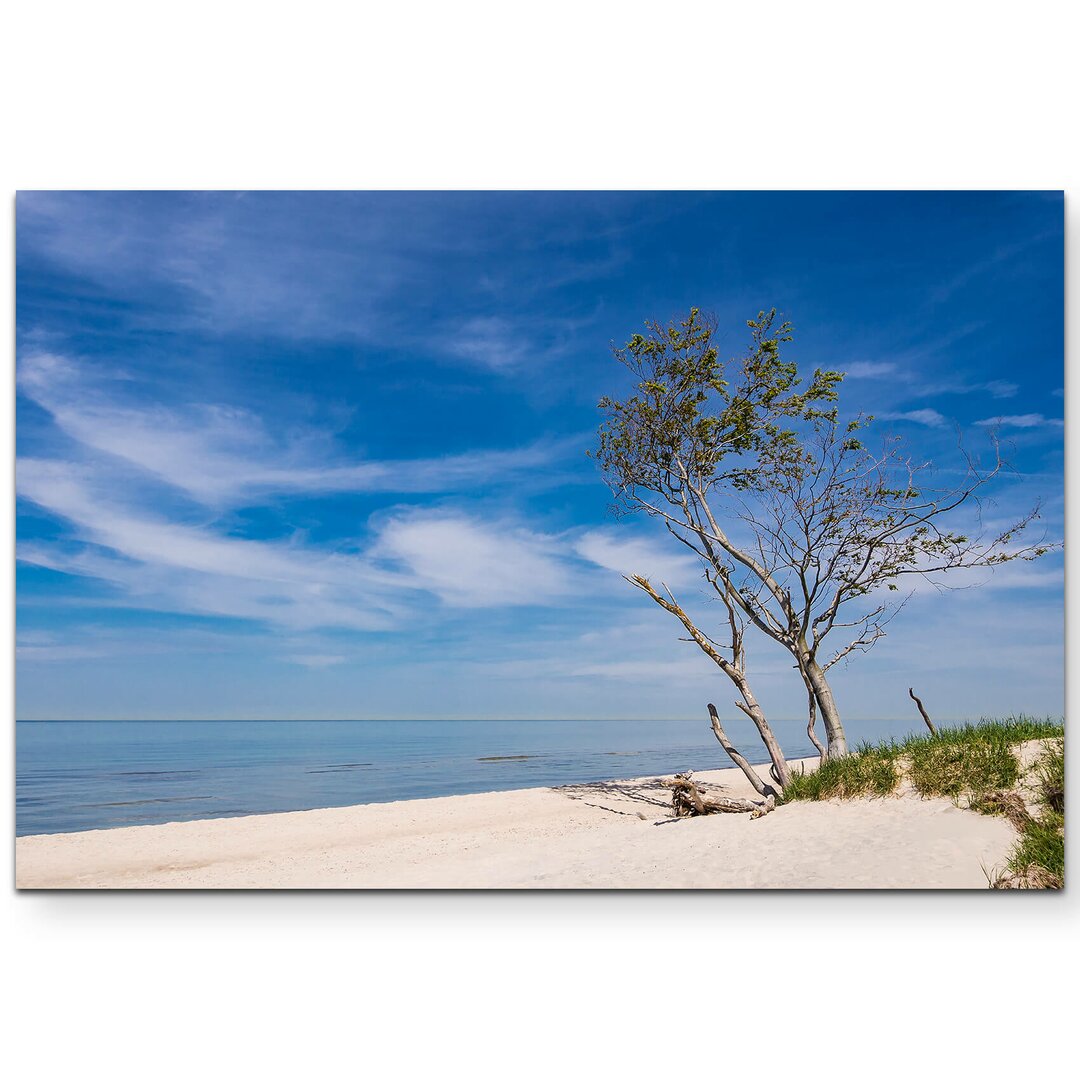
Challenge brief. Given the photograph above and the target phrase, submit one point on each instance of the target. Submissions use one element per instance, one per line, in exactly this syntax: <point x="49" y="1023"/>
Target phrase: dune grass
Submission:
<point x="1038" y="860"/>
<point x="955" y="767"/>
<point x="869" y="771"/>
<point x="971" y="760"/>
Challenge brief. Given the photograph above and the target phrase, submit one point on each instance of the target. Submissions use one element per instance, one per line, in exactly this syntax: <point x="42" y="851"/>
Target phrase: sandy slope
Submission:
<point x="615" y="835"/>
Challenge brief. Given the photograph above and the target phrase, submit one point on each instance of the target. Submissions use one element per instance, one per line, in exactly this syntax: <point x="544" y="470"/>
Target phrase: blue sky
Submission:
<point x="286" y="455"/>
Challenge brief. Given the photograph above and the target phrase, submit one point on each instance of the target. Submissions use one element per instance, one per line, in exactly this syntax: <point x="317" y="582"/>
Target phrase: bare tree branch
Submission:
<point x="800" y="526"/>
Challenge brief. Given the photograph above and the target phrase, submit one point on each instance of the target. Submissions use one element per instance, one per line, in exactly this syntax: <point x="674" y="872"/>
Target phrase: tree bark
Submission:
<point x="734" y="671"/>
<point x="687" y="800"/>
<point x="823" y="753"/>
<point x="757" y="714"/>
<point x="756" y="782"/>
<point x="830" y="715"/>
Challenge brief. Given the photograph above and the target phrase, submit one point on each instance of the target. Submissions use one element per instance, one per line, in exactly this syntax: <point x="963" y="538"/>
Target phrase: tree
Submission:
<point x="798" y="525"/>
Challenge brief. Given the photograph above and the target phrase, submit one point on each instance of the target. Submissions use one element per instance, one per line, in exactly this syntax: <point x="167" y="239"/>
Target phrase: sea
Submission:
<point x="73" y="776"/>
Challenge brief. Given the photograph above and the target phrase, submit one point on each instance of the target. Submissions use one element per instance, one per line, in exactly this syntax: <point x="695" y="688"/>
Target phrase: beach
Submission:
<point x="617" y="834"/>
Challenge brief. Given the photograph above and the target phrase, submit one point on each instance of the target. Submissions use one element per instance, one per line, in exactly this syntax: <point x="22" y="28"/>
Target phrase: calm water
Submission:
<point x="99" y="775"/>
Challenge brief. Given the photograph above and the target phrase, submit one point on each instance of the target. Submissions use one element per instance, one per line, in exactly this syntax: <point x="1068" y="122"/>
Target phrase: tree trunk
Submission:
<point x="756" y="782"/>
<point x="732" y="669"/>
<point x="830" y="716"/>
<point x="757" y="714"/>
<point x="823" y="753"/>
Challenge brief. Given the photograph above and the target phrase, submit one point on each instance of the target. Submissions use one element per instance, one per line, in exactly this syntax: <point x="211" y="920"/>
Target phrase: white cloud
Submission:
<point x="870" y="369"/>
<point x="490" y="341"/>
<point x="907" y="376"/>
<point x="508" y="345"/>
<point x="69" y="491"/>
<point x="190" y="568"/>
<point x="927" y="417"/>
<point x="125" y="533"/>
<point x="999" y="388"/>
<point x="1025" y="420"/>
<point x="996" y="388"/>
<point x="224" y="456"/>
<point x="637" y="555"/>
<point x="226" y="261"/>
<point x="166" y="564"/>
<point x="100" y="640"/>
<point x="46" y="652"/>
<point x="471" y="564"/>
<point x="1023" y="575"/>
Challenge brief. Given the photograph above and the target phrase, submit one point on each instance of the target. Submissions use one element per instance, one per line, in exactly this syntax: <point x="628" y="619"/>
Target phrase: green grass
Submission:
<point x="1049" y="770"/>
<point x="972" y="761"/>
<point x="1013" y="729"/>
<point x="1038" y="860"/>
<point x="962" y="767"/>
<point x="869" y="771"/>
<point x="1039" y="855"/>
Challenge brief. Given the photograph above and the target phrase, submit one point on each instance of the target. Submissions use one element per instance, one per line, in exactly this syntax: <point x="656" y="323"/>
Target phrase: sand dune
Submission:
<point x="614" y="835"/>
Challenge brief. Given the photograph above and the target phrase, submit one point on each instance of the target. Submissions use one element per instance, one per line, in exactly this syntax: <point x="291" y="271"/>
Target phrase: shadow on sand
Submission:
<point x="633" y="798"/>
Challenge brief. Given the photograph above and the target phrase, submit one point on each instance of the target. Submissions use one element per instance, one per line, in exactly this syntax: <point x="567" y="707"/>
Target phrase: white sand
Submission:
<point x="615" y="835"/>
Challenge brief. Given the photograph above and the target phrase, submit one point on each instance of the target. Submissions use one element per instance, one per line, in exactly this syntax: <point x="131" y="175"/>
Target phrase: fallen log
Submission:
<point x="687" y="800"/>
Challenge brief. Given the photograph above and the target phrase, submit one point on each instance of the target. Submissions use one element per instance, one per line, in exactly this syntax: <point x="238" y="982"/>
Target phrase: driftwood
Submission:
<point x="687" y="800"/>
<point x="918" y="701"/>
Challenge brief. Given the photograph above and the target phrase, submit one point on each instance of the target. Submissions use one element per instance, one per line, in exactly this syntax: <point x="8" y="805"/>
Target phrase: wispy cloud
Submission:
<point x="97" y="640"/>
<point x="997" y="258"/>
<point x="628" y="555"/>
<point x="996" y="388"/>
<point x="44" y="649"/>
<point x="164" y="564"/>
<point x="230" y="262"/>
<point x="926" y="417"/>
<point x="870" y="369"/>
<point x="510" y="345"/>
<point x="490" y="341"/>
<point x="321" y="267"/>
<point x="167" y="555"/>
<point x="284" y="418"/>
<point x="1024" y="420"/>
<point x="221" y="455"/>
<point x="473" y="564"/>
<point x="915" y="384"/>
<point x="174" y="566"/>
<point x="999" y="388"/>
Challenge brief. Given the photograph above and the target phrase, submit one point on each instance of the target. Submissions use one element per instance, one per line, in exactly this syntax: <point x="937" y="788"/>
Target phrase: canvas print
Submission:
<point x="540" y="540"/>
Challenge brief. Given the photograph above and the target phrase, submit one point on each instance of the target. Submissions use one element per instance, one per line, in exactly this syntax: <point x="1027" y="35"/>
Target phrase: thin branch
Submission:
<point x="925" y="715"/>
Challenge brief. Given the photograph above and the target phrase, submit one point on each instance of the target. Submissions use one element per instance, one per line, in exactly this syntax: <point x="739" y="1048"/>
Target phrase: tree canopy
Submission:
<point x="797" y="522"/>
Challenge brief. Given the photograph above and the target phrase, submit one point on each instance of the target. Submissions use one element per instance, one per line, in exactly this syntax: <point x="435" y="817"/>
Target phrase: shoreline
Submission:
<point x="608" y="834"/>
<point x="81" y="776"/>
<point x="712" y="777"/>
